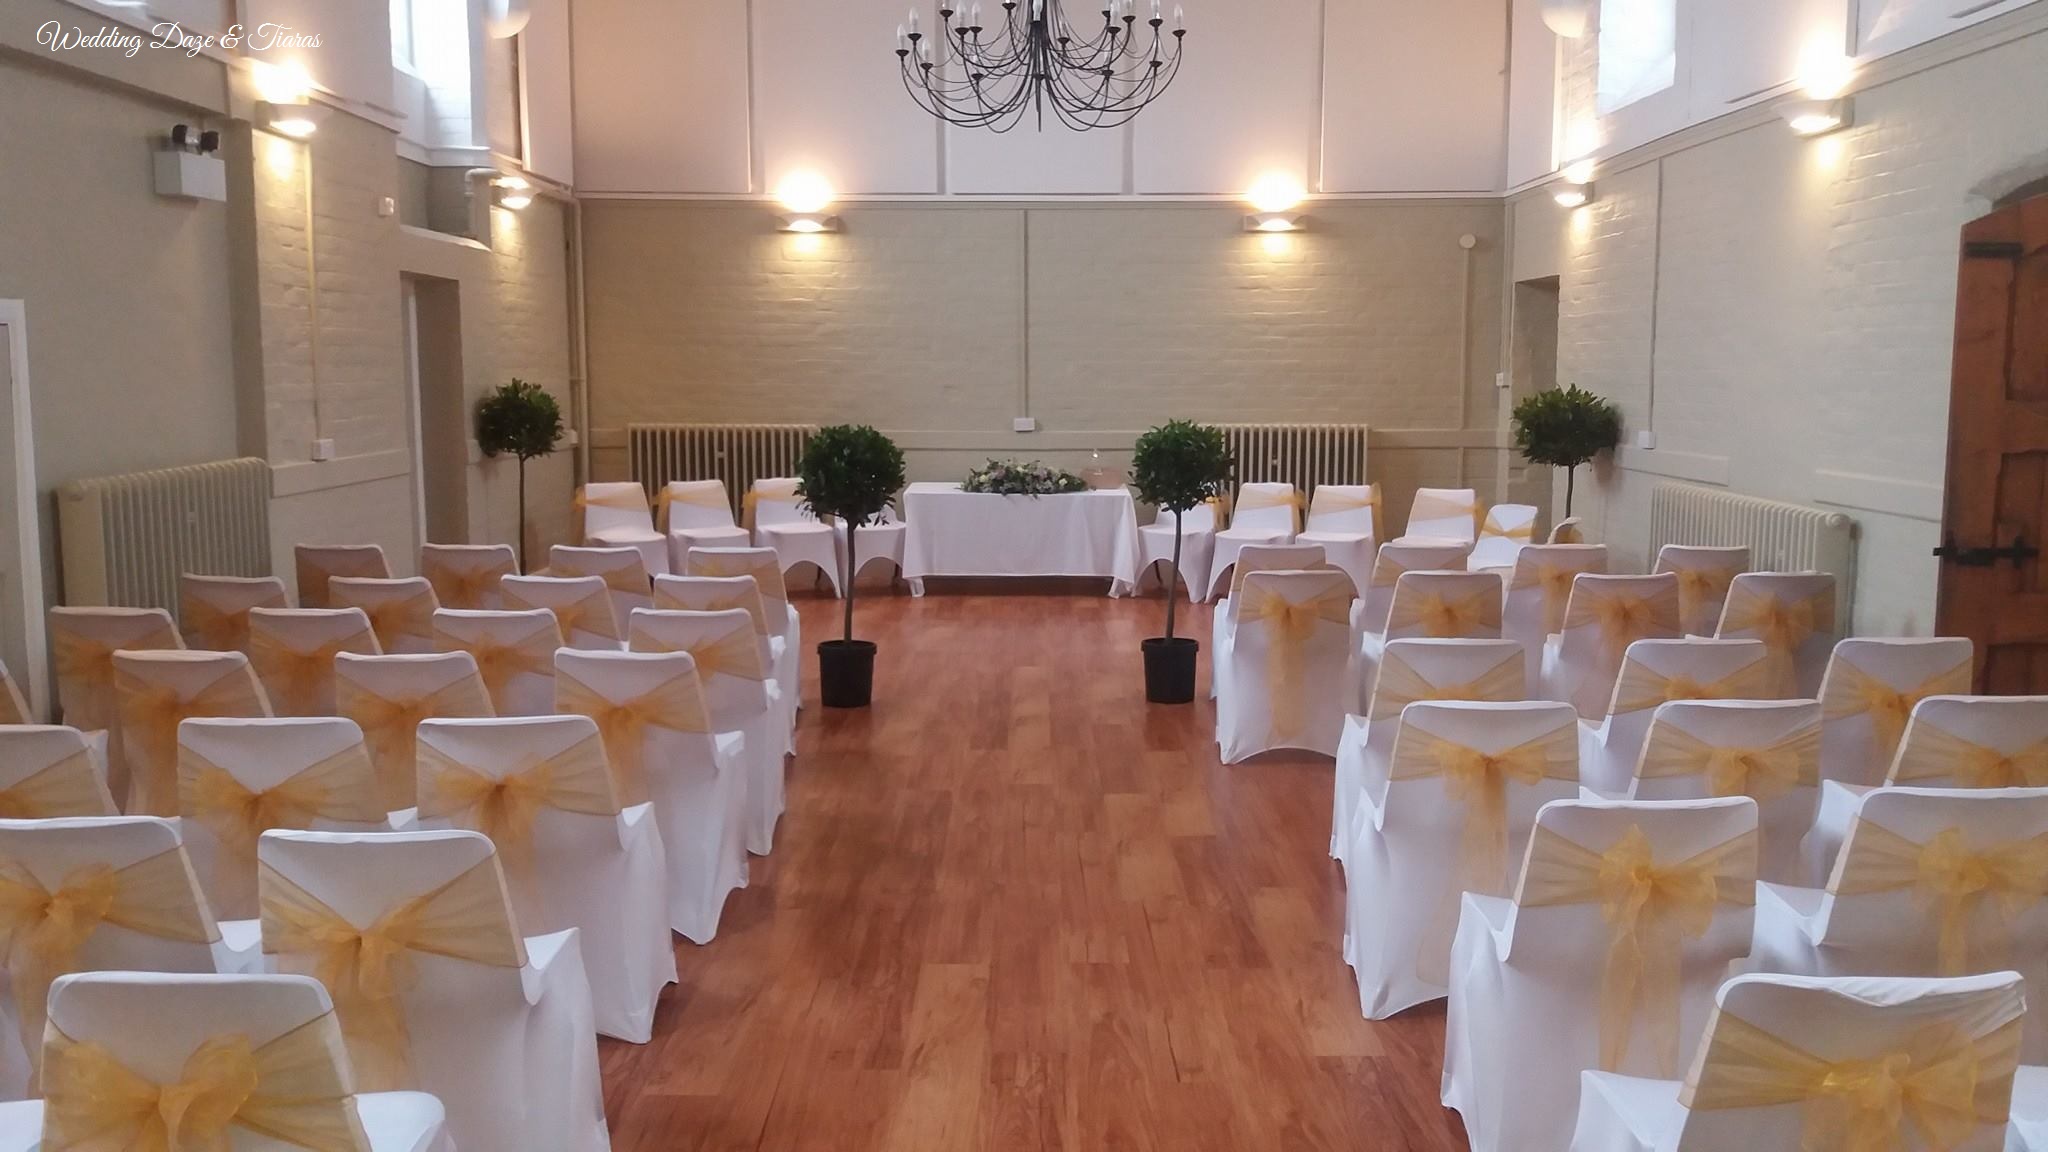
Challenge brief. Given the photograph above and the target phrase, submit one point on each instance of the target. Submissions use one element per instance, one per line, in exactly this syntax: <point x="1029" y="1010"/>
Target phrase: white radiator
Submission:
<point x="738" y="454"/>
<point x="1781" y="537"/>
<point x="1303" y="455"/>
<point x="124" y="540"/>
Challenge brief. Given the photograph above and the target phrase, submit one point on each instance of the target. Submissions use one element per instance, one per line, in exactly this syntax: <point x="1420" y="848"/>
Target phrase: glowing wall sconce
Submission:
<point x="511" y="192"/>
<point x="1569" y="194"/>
<point x="804" y="197"/>
<point x="284" y="103"/>
<point x="1570" y="19"/>
<point x="296" y="120"/>
<point x="1817" y="117"/>
<point x="1273" y="199"/>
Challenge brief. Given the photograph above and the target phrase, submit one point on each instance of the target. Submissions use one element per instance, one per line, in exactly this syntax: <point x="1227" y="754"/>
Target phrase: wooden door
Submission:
<point x="1994" y="578"/>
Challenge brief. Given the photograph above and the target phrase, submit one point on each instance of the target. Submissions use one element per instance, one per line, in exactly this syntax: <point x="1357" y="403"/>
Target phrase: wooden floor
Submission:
<point x="1013" y="907"/>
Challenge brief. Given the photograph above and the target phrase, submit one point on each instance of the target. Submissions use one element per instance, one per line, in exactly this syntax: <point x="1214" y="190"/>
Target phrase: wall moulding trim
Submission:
<point x="300" y="477"/>
<point x="1026" y="443"/>
<point x="1695" y="466"/>
<point x="1041" y="200"/>
<point x="1907" y="499"/>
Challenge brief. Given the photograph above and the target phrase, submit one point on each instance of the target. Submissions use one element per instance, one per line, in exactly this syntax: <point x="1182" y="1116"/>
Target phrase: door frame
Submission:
<point x="27" y="507"/>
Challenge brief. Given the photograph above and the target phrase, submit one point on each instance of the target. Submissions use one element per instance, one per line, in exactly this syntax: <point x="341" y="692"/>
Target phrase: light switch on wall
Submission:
<point x="323" y="450"/>
<point x="1646" y="439"/>
<point x="1024" y="424"/>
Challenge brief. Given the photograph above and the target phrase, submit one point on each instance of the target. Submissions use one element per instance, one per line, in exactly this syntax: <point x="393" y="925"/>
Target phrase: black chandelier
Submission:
<point x="1038" y="62"/>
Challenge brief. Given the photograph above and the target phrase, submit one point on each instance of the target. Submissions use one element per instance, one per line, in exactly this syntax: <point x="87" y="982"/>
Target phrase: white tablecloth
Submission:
<point x="955" y="533"/>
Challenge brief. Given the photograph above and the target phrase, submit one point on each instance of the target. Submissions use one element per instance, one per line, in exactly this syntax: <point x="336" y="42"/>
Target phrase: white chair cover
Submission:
<point x="1604" y="616"/>
<point x="1444" y="514"/>
<point x="1197" y="547"/>
<point x="1507" y="529"/>
<point x="1251" y="558"/>
<point x="1344" y="519"/>
<point x="740" y="694"/>
<point x="780" y="521"/>
<point x="1467" y="781"/>
<point x="315" y="564"/>
<point x="2029" y="1130"/>
<point x="697" y="514"/>
<point x="1433" y="605"/>
<point x="1624" y="923"/>
<point x="387" y="697"/>
<point x="1264" y="513"/>
<point x="506" y="1041"/>
<point x="13" y="706"/>
<point x="1929" y="882"/>
<point x="51" y="770"/>
<point x="1570" y="530"/>
<point x="1871" y="689"/>
<point x="213" y="611"/>
<point x="616" y="515"/>
<point x="696" y="779"/>
<point x="160" y="689"/>
<point x="882" y="542"/>
<point x="514" y="653"/>
<point x="1793" y="613"/>
<point x="763" y="565"/>
<point x="1411" y="671"/>
<point x="623" y="571"/>
<point x="574" y="858"/>
<point x="1767" y="750"/>
<point x="238" y="778"/>
<point x="401" y="611"/>
<point x="82" y="646"/>
<point x="1538" y="592"/>
<point x="1783" y="1058"/>
<point x="156" y="919"/>
<point x="722" y="594"/>
<point x="288" y="1018"/>
<point x="1652" y="673"/>
<point x="466" y="575"/>
<point x="1395" y="558"/>
<point x="582" y="606"/>
<point x="1294" y="665"/>
<point x="1704" y="574"/>
<point x="293" y="651"/>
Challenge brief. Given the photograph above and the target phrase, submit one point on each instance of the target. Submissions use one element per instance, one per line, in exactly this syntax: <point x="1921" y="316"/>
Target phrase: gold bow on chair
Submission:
<point x="1624" y="618"/>
<point x="295" y="677"/>
<point x="1700" y="587"/>
<point x="1476" y="615"/>
<point x="618" y="500"/>
<point x="85" y="672"/>
<point x="291" y="1090"/>
<point x="402" y="616"/>
<point x="1763" y="773"/>
<point x="221" y="629"/>
<point x="1651" y="909"/>
<point x="773" y="494"/>
<point x="150" y="714"/>
<point x="767" y="576"/>
<point x="1941" y="1083"/>
<point x="1783" y="625"/>
<point x="591" y="613"/>
<point x="368" y="970"/>
<point x="460" y="587"/>
<point x="1400" y="685"/>
<point x="1255" y="498"/>
<point x="391" y="724"/>
<point x="749" y="601"/>
<point x="44" y="928"/>
<point x="1555" y="581"/>
<point x="1953" y="880"/>
<point x="1491" y="529"/>
<point x="1641" y="686"/>
<point x="69" y="786"/>
<point x="1344" y="499"/>
<point x="1291" y="625"/>
<point x="504" y="808"/>
<point x="676" y="704"/>
<point x="1935" y="753"/>
<point x="704" y="497"/>
<point x="341" y="787"/>
<point x="1851" y="691"/>
<point x="737" y="653"/>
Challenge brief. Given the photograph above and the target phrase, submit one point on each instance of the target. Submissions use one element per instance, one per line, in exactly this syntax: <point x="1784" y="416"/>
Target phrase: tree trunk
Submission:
<point x="1173" y="576"/>
<point x="851" y="568"/>
<point x="1571" y="476"/>
<point x="522" y="514"/>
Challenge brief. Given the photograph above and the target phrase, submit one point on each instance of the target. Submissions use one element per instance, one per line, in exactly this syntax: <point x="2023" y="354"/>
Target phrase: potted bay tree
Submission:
<point x="848" y="473"/>
<point x="1565" y="427"/>
<point x="523" y="420"/>
<point x="1175" y="467"/>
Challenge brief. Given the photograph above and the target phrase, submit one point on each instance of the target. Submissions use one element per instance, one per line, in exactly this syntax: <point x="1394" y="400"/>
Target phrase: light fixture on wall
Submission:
<point x="511" y="192"/>
<point x="1571" y="19"/>
<point x="804" y="196"/>
<point x="284" y="99"/>
<point x="504" y="19"/>
<point x="1273" y="199"/>
<point x="1824" y="75"/>
<point x="1087" y="73"/>
<point x="296" y="120"/>
<point x="1817" y="117"/>
<point x="1572" y="194"/>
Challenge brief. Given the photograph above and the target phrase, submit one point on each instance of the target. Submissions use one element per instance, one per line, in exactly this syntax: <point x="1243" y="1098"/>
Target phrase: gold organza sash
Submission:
<point x="1400" y="685"/>
<point x="341" y="787"/>
<point x="295" y="676"/>
<point x="768" y="577"/>
<point x="617" y="499"/>
<point x="1700" y="588"/>
<point x="1851" y="691"/>
<point x="458" y="585"/>
<point x="749" y="599"/>
<point x="1386" y="571"/>
<point x="1431" y="506"/>
<point x="1952" y="881"/>
<point x="1935" y="753"/>
<point x="704" y="497"/>
<point x="1340" y="499"/>
<point x="1255" y="498"/>
<point x="1782" y="624"/>
<point x="1641" y="686"/>
<point x="1623" y="618"/>
<point x="737" y="653"/>
<point x="151" y="711"/>
<point x="85" y="670"/>
<point x="221" y="629"/>
<point x="630" y="579"/>
<point x="505" y="807"/>
<point x="677" y="704"/>
<point x="1651" y="910"/>
<point x="396" y="618"/>
<point x="1475" y="615"/>
<point x="783" y="493"/>
<point x="499" y="661"/>
<point x="68" y="786"/>
<point x="1291" y="624"/>
<point x="590" y="613"/>
<point x="391" y="724"/>
<point x="44" y="928"/>
<point x="368" y="970"/>
<point x="1941" y="1083"/>
<point x="291" y="1090"/>
<point x="1492" y="529"/>
<point x="1761" y="772"/>
<point x="1555" y="581"/>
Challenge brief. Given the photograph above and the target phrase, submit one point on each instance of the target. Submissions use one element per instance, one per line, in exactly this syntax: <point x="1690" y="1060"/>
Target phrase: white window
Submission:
<point x="401" y="33"/>
<point x="1638" y="51"/>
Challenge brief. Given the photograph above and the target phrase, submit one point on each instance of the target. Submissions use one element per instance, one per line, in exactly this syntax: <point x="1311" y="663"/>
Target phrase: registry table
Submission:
<point x="955" y="533"/>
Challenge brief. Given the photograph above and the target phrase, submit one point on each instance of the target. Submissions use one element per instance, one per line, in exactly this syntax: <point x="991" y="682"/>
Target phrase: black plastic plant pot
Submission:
<point x="846" y="673"/>
<point x="1170" y="670"/>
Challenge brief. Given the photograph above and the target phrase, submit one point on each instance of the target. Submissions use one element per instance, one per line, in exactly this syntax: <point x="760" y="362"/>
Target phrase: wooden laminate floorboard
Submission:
<point x="1013" y="908"/>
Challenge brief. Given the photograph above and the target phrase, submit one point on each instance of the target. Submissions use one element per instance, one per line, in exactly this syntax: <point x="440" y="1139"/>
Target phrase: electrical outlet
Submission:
<point x="1024" y="424"/>
<point x="1646" y="439"/>
<point x="323" y="450"/>
<point x="1500" y="380"/>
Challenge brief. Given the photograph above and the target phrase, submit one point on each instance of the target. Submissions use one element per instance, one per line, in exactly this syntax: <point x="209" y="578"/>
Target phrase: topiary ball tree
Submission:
<point x="850" y="473"/>
<point x="522" y="420"/>
<point x="1565" y="427"/>
<point x="1178" y="466"/>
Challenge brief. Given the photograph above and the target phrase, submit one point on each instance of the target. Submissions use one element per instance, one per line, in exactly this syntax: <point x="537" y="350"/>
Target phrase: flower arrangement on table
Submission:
<point x="1019" y="478"/>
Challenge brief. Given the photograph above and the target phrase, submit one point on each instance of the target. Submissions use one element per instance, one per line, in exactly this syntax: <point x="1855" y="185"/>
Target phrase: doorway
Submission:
<point x="21" y="570"/>
<point x="1532" y="368"/>
<point x="433" y="354"/>
<point x="1994" y="577"/>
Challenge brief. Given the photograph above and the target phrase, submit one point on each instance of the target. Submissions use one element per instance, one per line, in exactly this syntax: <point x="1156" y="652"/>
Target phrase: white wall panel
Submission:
<point x="1027" y="161"/>
<point x="661" y="96"/>
<point x="827" y="97"/>
<point x="1245" y="102"/>
<point x="354" y="56"/>
<point x="1412" y="95"/>
<point x="1532" y="100"/>
<point x="1889" y="25"/>
<point x="544" y="66"/>
<point x="1746" y="46"/>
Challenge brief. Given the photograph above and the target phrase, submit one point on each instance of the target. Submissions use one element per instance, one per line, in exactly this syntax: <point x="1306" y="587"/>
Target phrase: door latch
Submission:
<point x="2019" y="552"/>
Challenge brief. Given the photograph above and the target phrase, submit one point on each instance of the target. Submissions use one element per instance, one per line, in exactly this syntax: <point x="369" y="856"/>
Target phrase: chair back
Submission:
<point x="645" y="705"/>
<point x="730" y="664"/>
<point x="1297" y="626"/>
<point x="1704" y="574"/>
<point x="1604" y="615"/>
<point x="303" y="1094"/>
<point x="1765" y="1073"/>
<point x="712" y="594"/>
<point x="619" y="505"/>
<point x="582" y="606"/>
<point x="623" y="570"/>
<point x="1272" y="558"/>
<point x="1793" y="613"/>
<point x="1352" y="509"/>
<point x="1869" y="692"/>
<point x="514" y="653"/>
<point x="1507" y="529"/>
<point x="213" y="611"/>
<point x="13" y="706"/>
<point x="1266" y="507"/>
<point x="1767" y="750"/>
<point x="1570" y="530"/>
<point x="1653" y="672"/>
<point x="315" y="564"/>
<point x="82" y="646"/>
<point x="1434" y="670"/>
<point x="1444" y="514"/>
<point x="1445" y="606"/>
<point x="774" y="501"/>
<point x="293" y="651"/>
<point x="1541" y="588"/>
<point x="1397" y="557"/>
<point x="401" y="611"/>
<point x="386" y="697"/>
<point x="760" y="563"/>
<point x="159" y="690"/>
<point x="694" y="504"/>
<point x="49" y="771"/>
<point x="1200" y="518"/>
<point x="466" y="575"/>
<point x="1974" y="742"/>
